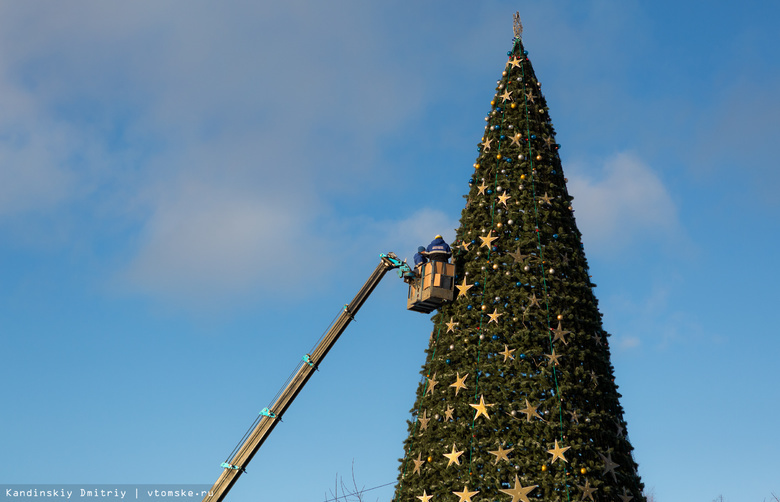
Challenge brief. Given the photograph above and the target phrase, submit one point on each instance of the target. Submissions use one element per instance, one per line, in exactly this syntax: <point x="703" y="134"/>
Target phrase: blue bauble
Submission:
<point x="468" y="307"/>
<point x="533" y="136"/>
<point x="447" y="361"/>
<point x="518" y="284"/>
<point x="555" y="236"/>
<point x="525" y="53"/>
<point x="489" y="192"/>
<point x="495" y="337"/>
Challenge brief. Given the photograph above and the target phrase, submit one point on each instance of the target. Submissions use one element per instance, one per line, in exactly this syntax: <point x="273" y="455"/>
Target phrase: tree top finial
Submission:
<point x="517" y="25"/>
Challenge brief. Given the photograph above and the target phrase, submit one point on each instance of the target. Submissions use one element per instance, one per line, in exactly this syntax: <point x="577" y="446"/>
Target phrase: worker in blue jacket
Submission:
<point x="419" y="257"/>
<point x="438" y="250"/>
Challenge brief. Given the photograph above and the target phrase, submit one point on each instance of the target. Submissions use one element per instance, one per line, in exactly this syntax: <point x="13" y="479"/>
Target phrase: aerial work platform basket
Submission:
<point x="433" y="285"/>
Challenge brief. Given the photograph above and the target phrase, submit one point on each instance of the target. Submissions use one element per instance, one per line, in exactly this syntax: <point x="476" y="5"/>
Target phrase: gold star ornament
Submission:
<point x="558" y="452"/>
<point x="451" y="325"/>
<point x="530" y="411"/>
<point x="518" y="492"/>
<point x="494" y="316"/>
<point x="626" y="497"/>
<point x="552" y="358"/>
<point x="453" y="456"/>
<point x="425" y="497"/>
<point x="488" y="241"/>
<point x="587" y="490"/>
<point x="463" y="288"/>
<point x="460" y="382"/>
<point x="518" y="256"/>
<point x="501" y="454"/>
<point x="560" y="333"/>
<point x="465" y="495"/>
<point x="417" y="464"/>
<point x="508" y="353"/>
<point x="481" y="408"/>
<point x="609" y="465"/>
<point x="431" y="384"/>
<point x="448" y="412"/>
<point x="424" y="419"/>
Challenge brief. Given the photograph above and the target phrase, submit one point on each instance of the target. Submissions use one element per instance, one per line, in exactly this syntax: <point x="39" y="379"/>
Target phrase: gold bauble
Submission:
<point x="498" y="157"/>
<point x="560" y="317"/>
<point x="522" y="176"/>
<point x="544" y="468"/>
<point x="513" y="106"/>
<point x="430" y="459"/>
<point x="539" y="157"/>
<point x="492" y="103"/>
<point x="583" y="470"/>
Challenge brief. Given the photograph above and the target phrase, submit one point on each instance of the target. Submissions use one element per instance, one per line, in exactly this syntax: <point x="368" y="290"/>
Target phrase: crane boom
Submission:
<point x="271" y="416"/>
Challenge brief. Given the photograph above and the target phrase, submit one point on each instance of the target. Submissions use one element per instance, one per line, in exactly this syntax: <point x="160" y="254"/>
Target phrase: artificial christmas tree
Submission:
<point x="518" y="400"/>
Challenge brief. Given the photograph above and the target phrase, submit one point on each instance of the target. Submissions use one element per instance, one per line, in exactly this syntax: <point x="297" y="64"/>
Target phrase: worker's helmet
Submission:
<point x="438" y="236"/>
<point x="421" y="249"/>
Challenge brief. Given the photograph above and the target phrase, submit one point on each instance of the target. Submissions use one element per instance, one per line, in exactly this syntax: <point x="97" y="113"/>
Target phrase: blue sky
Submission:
<point x="189" y="192"/>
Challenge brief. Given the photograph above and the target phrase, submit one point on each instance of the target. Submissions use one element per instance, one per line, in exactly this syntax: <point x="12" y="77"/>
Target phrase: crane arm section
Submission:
<point x="271" y="416"/>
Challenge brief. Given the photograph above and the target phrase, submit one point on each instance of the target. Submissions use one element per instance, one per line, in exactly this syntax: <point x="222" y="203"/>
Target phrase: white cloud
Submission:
<point x="627" y="204"/>
<point x="628" y="342"/>
<point x="419" y="229"/>
<point x="34" y="154"/>
<point x="30" y="177"/>
<point x="210" y="244"/>
<point x="206" y="241"/>
<point x="141" y="79"/>
<point x="216" y="131"/>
